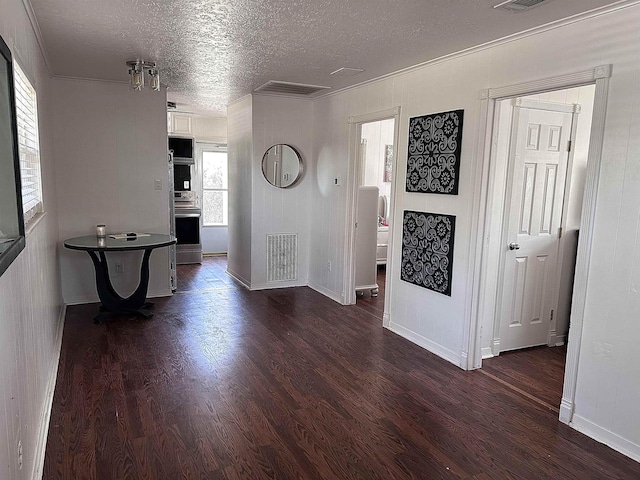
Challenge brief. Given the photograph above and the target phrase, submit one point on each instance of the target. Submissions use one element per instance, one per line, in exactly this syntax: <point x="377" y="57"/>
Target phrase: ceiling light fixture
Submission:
<point x="138" y="69"/>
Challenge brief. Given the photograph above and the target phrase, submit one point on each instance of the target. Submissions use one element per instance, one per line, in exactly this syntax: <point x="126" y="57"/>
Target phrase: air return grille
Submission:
<point x="282" y="256"/>
<point x="518" y="5"/>
<point x="288" y="88"/>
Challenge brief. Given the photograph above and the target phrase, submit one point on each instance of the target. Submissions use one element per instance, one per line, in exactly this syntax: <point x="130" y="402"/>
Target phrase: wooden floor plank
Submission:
<point x="287" y="384"/>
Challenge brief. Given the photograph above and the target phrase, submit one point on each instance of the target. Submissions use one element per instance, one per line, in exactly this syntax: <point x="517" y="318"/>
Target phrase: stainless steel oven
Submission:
<point x="187" y="217"/>
<point x="182" y="178"/>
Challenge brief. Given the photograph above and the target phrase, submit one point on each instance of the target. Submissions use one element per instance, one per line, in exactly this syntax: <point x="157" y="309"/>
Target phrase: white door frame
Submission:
<point x="355" y="130"/>
<point x="482" y="299"/>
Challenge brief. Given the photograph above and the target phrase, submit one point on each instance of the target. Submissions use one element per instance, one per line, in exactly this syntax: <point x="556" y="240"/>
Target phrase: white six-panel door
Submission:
<point x="537" y="172"/>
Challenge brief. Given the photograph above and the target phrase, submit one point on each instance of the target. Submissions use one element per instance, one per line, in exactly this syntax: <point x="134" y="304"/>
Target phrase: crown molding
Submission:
<point x="35" y="26"/>
<point x="579" y="17"/>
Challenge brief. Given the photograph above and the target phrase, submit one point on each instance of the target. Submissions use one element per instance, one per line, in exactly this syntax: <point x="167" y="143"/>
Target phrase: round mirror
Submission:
<point x="282" y="166"/>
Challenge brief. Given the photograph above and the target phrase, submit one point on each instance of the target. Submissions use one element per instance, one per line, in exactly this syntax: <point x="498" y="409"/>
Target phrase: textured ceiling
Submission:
<point x="211" y="52"/>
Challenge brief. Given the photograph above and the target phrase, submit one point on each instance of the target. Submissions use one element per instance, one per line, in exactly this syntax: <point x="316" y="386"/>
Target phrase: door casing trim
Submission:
<point x="598" y="76"/>
<point x="349" y="279"/>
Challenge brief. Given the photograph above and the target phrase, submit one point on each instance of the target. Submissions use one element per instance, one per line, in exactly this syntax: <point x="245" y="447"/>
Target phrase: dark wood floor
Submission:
<point x="211" y="275"/>
<point x="286" y="383"/>
<point x="374" y="305"/>
<point x="538" y="372"/>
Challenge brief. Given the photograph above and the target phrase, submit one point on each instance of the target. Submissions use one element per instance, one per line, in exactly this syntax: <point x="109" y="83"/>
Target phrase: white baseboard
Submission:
<point x="566" y="411"/>
<point x="364" y="288"/>
<point x="328" y="293"/>
<point x="239" y="279"/>
<point x="270" y="286"/>
<point x="45" y="414"/>
<point x="556" y="340"/>
<point x="464" y="360"/>
<point x="425" y="343"/>
<point x="487" y="352"/>
<point x="602" y="435"/>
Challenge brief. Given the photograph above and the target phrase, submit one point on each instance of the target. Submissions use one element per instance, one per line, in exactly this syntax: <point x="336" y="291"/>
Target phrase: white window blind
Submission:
<point x="28" y="144"/>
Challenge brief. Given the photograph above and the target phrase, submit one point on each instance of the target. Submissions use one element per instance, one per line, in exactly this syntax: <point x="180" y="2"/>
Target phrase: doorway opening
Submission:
<point x="539" y="153"/>
<point x="212" y="190"/>
<point x="370" y="219"/>
<point x="374" y="212"/>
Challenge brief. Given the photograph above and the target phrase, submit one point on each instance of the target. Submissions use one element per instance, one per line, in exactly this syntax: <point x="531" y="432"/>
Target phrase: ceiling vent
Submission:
<point x="171" y="105"/>
<point x="518" y="5"/>
<point x="288" y="88"/>
<point x="346" y="72"/>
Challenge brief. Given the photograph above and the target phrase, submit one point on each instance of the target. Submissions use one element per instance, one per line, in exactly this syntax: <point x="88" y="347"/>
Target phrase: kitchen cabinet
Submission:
<point x="180" y="124"/>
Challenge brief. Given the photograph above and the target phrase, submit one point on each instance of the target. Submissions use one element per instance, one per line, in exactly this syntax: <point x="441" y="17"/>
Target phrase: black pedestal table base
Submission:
<point x="112" y="302"/>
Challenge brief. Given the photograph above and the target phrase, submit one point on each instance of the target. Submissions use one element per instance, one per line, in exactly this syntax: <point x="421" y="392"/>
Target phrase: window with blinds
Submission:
<point x="28" y="144"/>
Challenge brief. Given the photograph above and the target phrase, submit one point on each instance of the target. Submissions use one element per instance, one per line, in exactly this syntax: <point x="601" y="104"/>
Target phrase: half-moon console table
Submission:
<point x="98" y="247"/>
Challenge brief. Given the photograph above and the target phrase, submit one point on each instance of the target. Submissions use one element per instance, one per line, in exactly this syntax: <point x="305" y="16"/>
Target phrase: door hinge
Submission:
<point x="551" y="319"/>
<point x="569" y="144"/>
<point x="560" y="232"/>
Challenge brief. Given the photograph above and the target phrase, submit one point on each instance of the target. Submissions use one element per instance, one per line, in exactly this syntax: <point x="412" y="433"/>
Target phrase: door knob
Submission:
<point x="514" y="246"/>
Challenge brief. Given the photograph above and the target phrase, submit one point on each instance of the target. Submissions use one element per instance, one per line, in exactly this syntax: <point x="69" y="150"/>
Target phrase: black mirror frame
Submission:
<point x="10" y="254"/>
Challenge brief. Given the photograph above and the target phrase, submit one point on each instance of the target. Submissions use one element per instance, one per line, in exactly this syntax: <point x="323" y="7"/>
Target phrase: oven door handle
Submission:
<point x="187" y="215"/>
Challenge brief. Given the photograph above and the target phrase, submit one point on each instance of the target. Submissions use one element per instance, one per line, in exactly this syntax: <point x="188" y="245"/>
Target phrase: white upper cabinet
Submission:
<point x="203" y="129"/>
<point x="207" y="129"/>
<point x="180" y="124"/>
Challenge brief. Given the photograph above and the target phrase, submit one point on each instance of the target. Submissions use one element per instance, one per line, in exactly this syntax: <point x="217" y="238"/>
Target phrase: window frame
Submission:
<point x="215" y="148"/>
<point x="28" y="141"/>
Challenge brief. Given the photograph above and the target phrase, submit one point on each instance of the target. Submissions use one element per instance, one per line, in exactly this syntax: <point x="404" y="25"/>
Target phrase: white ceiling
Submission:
<point x="211" y="52"/>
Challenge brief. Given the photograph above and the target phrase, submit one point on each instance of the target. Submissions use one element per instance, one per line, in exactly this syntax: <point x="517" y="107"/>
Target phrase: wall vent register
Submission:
<point x="282" y="256"/>
<point x="289" y="88"/>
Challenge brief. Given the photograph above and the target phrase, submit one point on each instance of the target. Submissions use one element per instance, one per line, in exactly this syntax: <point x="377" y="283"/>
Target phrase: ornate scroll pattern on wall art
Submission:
<point x="427" y="250"/>
<point x="433" y="162"/>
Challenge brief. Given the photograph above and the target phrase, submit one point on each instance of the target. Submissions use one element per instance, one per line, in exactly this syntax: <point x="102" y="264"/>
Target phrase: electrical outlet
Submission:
<point x="157" y="184"/>
<point x="329" y="266"/>
<point x="119" y="267"/>
<point x="19" y="454"/>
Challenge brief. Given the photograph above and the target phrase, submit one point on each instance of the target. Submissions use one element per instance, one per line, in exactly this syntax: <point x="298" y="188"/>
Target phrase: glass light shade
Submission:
<point x="154" y="83"/>
<point x="137" y="79"/>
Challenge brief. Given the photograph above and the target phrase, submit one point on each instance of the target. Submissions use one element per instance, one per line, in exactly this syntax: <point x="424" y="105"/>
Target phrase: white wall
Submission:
<point x="240" y="151"/>
<point x="215" y="239"/>
<point x="608" y="373"/>
<point x="256" y="208"/>
<point x="280" y="210"/>
<point x="110" y="144"/>
<point x="31" y="310"/>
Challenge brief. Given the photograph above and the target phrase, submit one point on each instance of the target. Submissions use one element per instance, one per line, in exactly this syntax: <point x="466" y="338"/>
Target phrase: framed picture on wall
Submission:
<point x="433" y="162"/>
<point x="388" y="162"/>
<point x="427" y="250"/>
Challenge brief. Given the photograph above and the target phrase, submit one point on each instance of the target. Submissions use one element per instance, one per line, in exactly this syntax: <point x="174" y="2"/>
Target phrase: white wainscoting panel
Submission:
<point x="31" y="320"/>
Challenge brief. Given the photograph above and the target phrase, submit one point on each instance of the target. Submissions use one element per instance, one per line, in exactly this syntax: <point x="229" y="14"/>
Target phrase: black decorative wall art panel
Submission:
<point x="427" y="250"/>
<point x="433" y="162"/>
